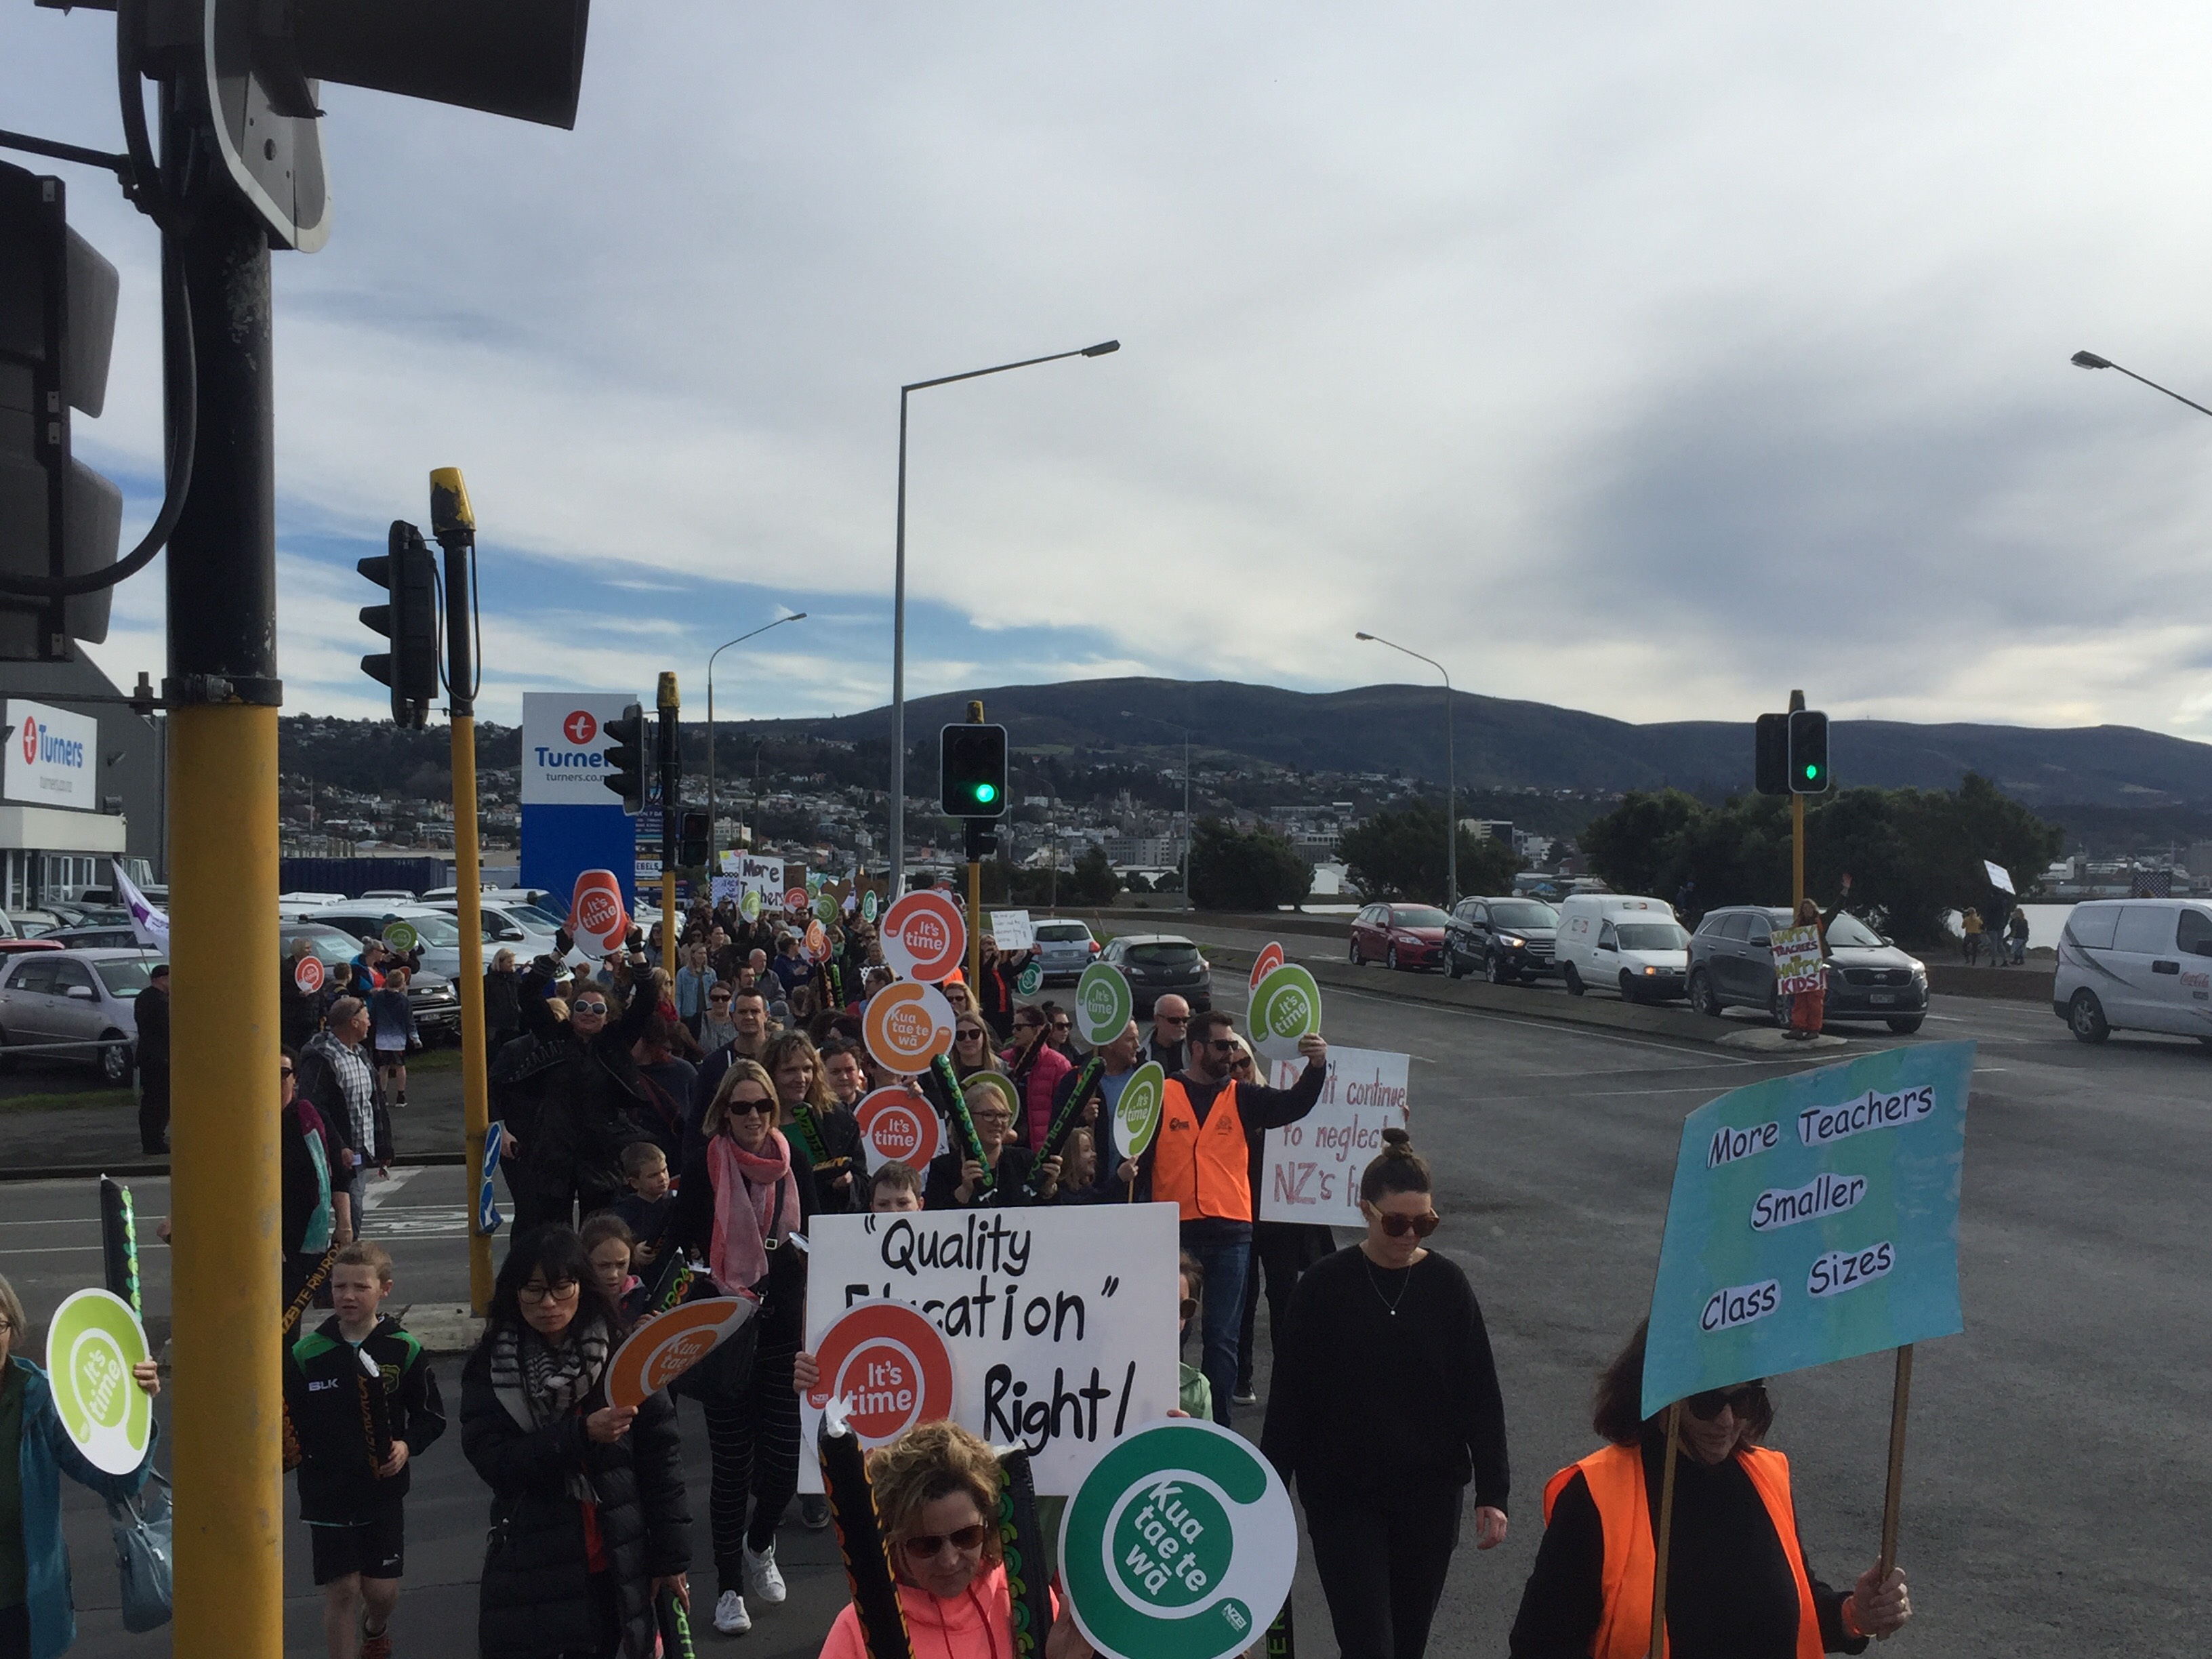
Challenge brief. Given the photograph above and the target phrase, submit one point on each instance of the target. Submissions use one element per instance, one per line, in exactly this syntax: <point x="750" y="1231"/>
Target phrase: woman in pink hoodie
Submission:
<point x="936" y="1489"/>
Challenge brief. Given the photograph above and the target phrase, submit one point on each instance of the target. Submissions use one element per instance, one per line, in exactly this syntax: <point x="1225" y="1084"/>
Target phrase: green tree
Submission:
<point x="1091" y="881"/>
<point x="1233" y="869"/>
<point x="1400" y="855"/>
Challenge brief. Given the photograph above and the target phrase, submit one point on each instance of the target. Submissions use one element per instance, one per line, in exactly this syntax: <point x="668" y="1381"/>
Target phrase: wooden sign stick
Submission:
<point x="1900" y="1404"/>
<point x="1666" y="1532"/>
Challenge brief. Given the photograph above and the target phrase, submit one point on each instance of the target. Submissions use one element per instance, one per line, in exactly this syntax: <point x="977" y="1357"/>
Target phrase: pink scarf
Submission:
<point x="745" y="1193"/>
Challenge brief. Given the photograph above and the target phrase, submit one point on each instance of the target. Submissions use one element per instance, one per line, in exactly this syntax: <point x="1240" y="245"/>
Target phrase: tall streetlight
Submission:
<point x="2091" y="360"/>
<point x="1131" y="714"/>
<point x="898" y="599"/>
<point x="1451" y="779"/>
<point x="796" y="616"/>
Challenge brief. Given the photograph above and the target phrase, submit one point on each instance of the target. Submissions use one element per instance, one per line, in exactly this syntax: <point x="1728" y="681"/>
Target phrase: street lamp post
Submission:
<point x="796" y="616"/>
<point x="1131" y="714"/>
<point x="898" y="599"/>
<point x="2091" y="360"/>
<point x="1451" y="778"/>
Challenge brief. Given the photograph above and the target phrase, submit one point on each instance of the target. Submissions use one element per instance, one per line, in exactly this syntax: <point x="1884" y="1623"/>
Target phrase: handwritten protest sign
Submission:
<point x="1060" y="1323"/>
<point x="1312" y="1168"/>
<point x="1013" y="931"/>
<point x="1813" y="1218"/>
<point x="761" y="875"/>
<point x="1796" y="959"/>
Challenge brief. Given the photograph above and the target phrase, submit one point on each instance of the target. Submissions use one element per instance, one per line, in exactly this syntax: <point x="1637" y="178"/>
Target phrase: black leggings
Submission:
<point x="753" y="1442"/>
<point x="1383" y="1567"/>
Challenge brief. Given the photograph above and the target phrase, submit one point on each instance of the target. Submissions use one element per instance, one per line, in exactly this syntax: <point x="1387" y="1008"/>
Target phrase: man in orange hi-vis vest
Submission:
<point x="1200" y="1160"/>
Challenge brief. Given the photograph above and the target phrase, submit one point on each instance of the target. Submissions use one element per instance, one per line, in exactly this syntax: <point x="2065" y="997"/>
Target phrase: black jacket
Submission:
<point x="839" y="1132"/>
<point x="151" y="1009"/>
<point x="323" y="1385"/>
<point x="502" y="999"/>
<point x="573" y="1105"/>
<point x="317" y="1083"/>
<point x="535" y="1598"/>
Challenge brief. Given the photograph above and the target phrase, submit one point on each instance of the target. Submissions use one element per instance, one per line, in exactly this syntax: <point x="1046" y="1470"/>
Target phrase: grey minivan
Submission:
<point x="75" y="1005"/>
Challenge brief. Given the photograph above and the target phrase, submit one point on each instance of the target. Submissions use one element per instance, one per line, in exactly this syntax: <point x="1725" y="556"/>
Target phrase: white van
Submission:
<point x="2136" y="965"/>
<point x="1622" y="940"/>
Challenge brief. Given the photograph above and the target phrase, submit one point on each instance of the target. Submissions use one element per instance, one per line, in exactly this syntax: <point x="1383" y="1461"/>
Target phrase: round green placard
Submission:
<point x="1103" y="1006"/>
<point x="1285" y="1006"/>
<point x="91" y="1345"/>
<point x="1137" y="1113"/>
<point x="401" y="935"/>
<point x="1030" y="981"/>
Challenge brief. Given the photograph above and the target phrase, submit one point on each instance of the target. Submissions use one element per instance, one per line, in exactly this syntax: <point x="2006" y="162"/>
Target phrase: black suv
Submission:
<point x="1505" y="939"/>
<point x="1732" y="965"/>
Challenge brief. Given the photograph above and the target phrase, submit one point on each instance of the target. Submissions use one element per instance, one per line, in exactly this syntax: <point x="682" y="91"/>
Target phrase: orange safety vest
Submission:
<point x="1204" y="1167"/>
<point x="1615" y="1478"/>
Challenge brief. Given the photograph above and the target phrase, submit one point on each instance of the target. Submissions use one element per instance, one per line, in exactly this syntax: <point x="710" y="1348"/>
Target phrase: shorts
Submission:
<point x="374" y="1548"/>
<point x="391" y="1053"/>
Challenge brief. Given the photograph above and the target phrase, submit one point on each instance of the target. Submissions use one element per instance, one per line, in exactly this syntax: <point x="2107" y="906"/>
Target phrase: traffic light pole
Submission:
<point x="453" y="523"/>
<point x="671" y="818"/>
<point x="222" y="695"/>
<point x="1797" y="830"/>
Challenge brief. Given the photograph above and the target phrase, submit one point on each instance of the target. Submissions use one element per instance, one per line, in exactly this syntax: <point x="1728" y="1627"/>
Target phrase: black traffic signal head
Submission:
<point x="58" y="517"/>
<point x="626" y="757"/>
<point x="1808" y="752"/>
<point x="692" y="845"/>
<point x="409" y="575"/>
<point x="1771" y="755"/>
<point x="971" y="762"/>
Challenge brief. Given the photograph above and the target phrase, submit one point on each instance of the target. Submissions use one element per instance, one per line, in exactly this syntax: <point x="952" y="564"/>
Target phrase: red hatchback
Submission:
<point x="1398" y="936"/>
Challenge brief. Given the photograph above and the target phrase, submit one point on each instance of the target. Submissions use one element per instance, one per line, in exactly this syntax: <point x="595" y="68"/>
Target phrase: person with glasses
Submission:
<point x="1169" y="1041"/>
<point x="1738" y="1583"/>
<point x="936" y="1491"/>
<point x="1200" y="1160"/>
<point x="745" y="1193"/>
<point x="589" y="1521"/>
<point x="1383" y="1406"/>
<point x="971" y="1046"/>
<point x="956" y="1181"/>
<point x="1059" y="1031"/>
<point x="717" y="1030"/>
<point x="1036" y="1069"/>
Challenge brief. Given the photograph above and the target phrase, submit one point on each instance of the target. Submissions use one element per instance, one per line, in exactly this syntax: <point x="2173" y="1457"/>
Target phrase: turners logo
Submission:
<point x="579" y="728"/>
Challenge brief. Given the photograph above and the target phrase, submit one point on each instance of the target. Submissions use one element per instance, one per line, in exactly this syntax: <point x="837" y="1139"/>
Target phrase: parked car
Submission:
<point x="522" y="928"/>
<point x="1503" y="939"/>
<point x="1732" y="966"/>
<point x="1398" y="936"/>
<point x="390" y="895"/>
<point x="290" y="906"/>
<point x="1064" y="950"/>
<point x="75" y="938"/>
<point x="75" y="1005"/>
<point x="442" y="951"/>
<point x="2136" y="965"/>
<point x="31" y="923"/>
<point x="436" y="1004"/>
<point x="1622" y="940"/>
<point x="11" y="947"/>
<point x="1156" y="964"/>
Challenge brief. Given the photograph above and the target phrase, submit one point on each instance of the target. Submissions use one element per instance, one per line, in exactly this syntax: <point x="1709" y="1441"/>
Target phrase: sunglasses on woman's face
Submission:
<point x="589" y="1008"/>
<point x="969" y="1034"/>
<point x="1743" y="1401"/>
<point x="1419" y="1226"/>
<point x="739" y="1107"/>
<point x="930" y="1544"/>
<point x="284" y="1071"/>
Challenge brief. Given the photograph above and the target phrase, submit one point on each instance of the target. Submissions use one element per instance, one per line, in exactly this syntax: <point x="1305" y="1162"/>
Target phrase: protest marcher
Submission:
<point x="502" y="1001"/>
<point x="298" y="1013"/>
<point x="571" y="1099"/>
<point x="971" y="1047"/>
<point x="2016" y="933"/>
<point x="1383" y="1405"/>
<point x="693" y="981"/>
<point x="1113" y="1172"/>
<point x="1036" y="1069"/>
<point x="744" y="1194"/>
<point x="830" y="1132"/>
<point x="1738" y="1584"/>
<point x="1059" y="1031"/>
<point x="748" y="1017"/>
<point x="962" y="999"/>
<point x="38" y="1615"/>
<point x="1284" y="1249"/>
<point x="315" y="1213"/>
<point x="1970" y="932"/>
<point x="392" y="1032"/>
<point x="1168" y="1043"/>
<point x="1194" y="1393"/>
<point x="847" y="1072"/>
<point x="666" y="1082"/>
<point x="649" y="1207"/>
<point x="1807" y="1007"/>
<point x="995" y="983"/>
<point x="611" y="1248"/>
<point x="336" y="1078"/>
<point x="150" y="1007"/>
<point x="351" y="1500"/>
<point x="716" y="1028"/>
<point x="588" y="1517"/>
<point x="956" y="1181"/>
<point x="1201" y="1159"/>
<point x="936" y="1491"/>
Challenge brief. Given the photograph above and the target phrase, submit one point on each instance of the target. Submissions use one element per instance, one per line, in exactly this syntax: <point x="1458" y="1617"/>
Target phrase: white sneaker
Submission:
<point x="762" y="1578"/>
<point x="730" y="1618"/>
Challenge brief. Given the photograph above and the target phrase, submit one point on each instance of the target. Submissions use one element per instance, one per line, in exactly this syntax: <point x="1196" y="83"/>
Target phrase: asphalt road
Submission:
<point x="2060" y="1461"/>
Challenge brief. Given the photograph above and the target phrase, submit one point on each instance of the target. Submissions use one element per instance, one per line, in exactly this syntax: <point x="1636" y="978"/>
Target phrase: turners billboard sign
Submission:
<point x="52" y="756"/>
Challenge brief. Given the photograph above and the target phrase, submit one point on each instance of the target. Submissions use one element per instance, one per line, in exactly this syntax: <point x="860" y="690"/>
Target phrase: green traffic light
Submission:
<point x="1812" y="772"/>
<point x="986" y="792"/>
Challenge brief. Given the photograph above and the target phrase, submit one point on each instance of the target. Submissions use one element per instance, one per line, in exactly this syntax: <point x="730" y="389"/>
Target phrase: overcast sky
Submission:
<point x="1648" y="360"/>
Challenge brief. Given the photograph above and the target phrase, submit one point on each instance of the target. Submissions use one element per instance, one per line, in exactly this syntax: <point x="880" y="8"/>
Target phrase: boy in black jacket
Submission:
<point x="365" y="1404"/>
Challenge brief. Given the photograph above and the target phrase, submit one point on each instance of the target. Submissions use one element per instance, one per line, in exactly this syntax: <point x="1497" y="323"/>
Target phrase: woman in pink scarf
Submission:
<point x="745" y="1193"/>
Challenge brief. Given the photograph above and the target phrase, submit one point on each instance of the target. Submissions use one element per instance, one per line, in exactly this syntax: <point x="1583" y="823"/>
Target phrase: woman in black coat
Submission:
<point x="588" y="1520"/>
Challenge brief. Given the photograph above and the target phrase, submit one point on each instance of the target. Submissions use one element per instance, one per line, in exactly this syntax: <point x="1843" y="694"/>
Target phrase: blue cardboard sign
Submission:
<point x="1813" y="1218"/>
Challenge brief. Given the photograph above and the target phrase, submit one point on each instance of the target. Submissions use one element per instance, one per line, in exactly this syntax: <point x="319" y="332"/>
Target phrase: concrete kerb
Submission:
<point x="442" y="1327"/>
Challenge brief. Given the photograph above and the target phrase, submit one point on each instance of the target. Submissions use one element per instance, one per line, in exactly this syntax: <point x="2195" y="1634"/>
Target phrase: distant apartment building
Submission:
<point x="1143" y="852"/>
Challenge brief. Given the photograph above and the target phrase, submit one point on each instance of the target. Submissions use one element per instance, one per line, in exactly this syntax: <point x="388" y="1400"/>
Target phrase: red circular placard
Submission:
<point x="308" y="974"/>
<point x="924" y="936"/>
<point x="899" y="1129"/>
<point x="891" y="1367"/>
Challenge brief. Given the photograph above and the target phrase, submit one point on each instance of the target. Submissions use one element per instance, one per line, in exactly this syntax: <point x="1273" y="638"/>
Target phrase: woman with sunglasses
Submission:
<point x="1738" y="1584"/>
<point x="1383" y="1406"/>
<point x="746" y="1189"/>
<point x="936" y="1490"/>
<point x="1037" y="1068"/>
<point x="811" y="1111"/>
<point x="588" y="1519"/>
<point x="971" y="1046"/>
<point x="955" y="1180"/>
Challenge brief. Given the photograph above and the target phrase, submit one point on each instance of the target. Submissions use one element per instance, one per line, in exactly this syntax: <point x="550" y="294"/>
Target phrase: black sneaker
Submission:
<point x="1245" y="1395"/>
<point x="813" y="1511"/>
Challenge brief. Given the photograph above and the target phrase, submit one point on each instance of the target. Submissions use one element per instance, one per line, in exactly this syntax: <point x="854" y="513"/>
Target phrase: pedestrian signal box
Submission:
<point x="1808" y="752"/>
<point x="972" y="771"/>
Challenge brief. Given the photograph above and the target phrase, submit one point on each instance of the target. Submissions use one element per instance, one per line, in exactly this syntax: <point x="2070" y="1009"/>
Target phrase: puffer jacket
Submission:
<point x="573" y="1105"/>
<point x="535" y="1598"/>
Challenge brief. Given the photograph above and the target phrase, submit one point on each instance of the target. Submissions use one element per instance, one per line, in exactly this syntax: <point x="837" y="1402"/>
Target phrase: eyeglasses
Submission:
<point x="1241" y="1063"/>
<point x="1059" y="1024"/>
<point x="969" y="1034"/>
<point x="929" y="1544"/>
<point x="1223" y="1045"/>
<point x="712" y="998"/>
<point x="1419" y="1226"/>
<point x="537" y="1290"/>
<point x="752" y="1106"/>
<point x="589" y="1008"/>
<point x="1706" y="1407"/>
<point x="1171" y="1019"/>
<point x="1190" y="1307"/>
<point x="284" y="1071"/>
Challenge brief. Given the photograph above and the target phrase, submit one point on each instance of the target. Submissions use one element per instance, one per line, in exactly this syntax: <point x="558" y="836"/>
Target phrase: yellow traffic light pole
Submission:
<point x="671" y="815"/>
